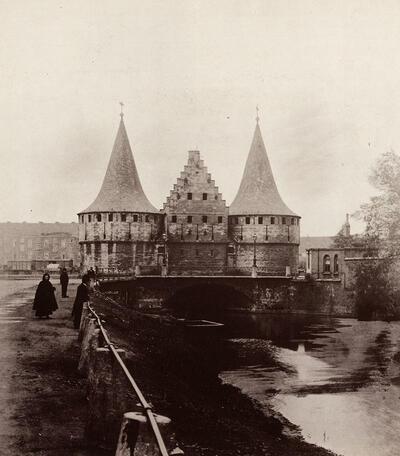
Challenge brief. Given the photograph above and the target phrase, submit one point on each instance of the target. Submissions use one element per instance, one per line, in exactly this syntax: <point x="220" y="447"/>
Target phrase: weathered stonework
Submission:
<point x="120" y="230"/>
<point x="196" y="233"/>
<point x="195" y="258"/>
<point x="196" y="223"/>
<point x="261" y="294"/>
<point x="271" y="258"/>
<point x="264" y="231"/>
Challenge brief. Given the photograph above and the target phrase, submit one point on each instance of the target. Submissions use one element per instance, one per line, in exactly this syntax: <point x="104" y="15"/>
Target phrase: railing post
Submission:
<point x="85" y="313"/>
<point x="108" y="399"/>
<point x="107" y="396"/>
<point x="88" y="335"/>
<point x="94" y="344"/>
<point x="136" y="437"/>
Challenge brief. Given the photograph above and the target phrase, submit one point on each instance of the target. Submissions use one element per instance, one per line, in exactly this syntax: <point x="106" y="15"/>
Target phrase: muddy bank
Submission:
<point x="178" y="374"/>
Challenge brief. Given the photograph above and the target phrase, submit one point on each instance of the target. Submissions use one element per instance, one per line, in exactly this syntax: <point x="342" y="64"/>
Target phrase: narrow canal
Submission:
<point x="338" y="380"/>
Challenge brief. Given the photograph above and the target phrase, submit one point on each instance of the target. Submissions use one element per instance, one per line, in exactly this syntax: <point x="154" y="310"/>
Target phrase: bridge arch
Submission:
<point x="206" y="300"/>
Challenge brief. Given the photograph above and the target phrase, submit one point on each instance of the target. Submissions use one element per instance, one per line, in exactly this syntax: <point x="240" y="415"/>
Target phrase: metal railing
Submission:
<point x="146" y="406"/>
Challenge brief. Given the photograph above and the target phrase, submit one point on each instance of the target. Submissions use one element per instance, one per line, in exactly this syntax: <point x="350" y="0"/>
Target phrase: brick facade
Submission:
<point x="33" y="242"/>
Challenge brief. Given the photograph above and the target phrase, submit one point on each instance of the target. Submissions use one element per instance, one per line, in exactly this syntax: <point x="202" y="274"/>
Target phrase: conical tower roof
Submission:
<point x="258" y="193"/>
<point x="121" y="189"/>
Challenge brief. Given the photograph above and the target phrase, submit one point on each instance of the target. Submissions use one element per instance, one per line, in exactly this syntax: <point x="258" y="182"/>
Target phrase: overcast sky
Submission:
<point x="324" y="73"/>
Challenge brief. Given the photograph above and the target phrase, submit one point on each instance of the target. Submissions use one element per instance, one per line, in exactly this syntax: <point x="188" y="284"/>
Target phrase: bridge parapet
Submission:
<point x="262" y="294"/>
<point x="236" y="292"/>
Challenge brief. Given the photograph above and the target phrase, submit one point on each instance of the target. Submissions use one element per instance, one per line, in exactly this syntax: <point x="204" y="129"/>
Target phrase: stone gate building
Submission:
<point x="195" y="233"/>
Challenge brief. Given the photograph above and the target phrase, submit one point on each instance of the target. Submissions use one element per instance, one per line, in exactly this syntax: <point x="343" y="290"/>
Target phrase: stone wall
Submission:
<point x="120" y="241"/>
<point x="244" y="228"/>
<point x="121" y="256"/>
<point x="265" y="294"/>
<point x="271" y="259"/>
<point x="135" y="227"/>
<point x="196" y="222"/>
<point x="197" y="258"/>
<point x="277" y="243"/>
<point x="327" y="297"/>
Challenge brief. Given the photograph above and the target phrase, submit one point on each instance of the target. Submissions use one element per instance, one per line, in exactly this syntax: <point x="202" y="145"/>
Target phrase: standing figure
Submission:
<point x="91" y="274"/>
<point x="64" y="279"/>
<point x="82" y="295"/>
<point x="45" y="302"/>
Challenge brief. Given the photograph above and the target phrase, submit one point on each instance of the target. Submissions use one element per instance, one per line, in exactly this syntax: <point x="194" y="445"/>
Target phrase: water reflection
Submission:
<point x="337" y="379"/>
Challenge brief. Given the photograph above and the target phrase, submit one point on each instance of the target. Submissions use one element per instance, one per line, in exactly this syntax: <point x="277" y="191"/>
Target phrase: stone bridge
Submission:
<point x="228" y="292"/>
<point x="195" y="294"/>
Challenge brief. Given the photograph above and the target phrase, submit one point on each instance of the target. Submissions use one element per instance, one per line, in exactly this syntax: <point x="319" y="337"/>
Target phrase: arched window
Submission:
<point x="327" y="264"/>
<point x="336" y="264"/>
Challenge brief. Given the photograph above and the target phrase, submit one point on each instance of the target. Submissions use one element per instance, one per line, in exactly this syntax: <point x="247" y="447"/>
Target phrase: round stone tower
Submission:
<point x="119" y="230"/>
<point x="264" y="231"/>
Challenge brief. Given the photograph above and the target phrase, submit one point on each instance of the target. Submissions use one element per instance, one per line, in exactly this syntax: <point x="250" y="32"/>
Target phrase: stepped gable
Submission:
<point x="195" y="178"/>
<point x="121" y="190"/>
<point x="258" y="193"/>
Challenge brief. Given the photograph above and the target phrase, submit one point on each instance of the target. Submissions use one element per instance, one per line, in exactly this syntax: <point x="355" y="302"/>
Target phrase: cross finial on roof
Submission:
<point x="257" y="117"/>
<point x="122" y="109"/>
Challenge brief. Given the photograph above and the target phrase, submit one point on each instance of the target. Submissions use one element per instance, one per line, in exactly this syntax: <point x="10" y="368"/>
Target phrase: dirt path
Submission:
<point x="42" y="398"/>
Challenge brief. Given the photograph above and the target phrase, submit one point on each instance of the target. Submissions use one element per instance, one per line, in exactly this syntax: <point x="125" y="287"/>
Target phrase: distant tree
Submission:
<point x="376" y="281"/>
<point x="341" y="240"/>
<point x="376" y="295"/>
<point x="382" y="213"/>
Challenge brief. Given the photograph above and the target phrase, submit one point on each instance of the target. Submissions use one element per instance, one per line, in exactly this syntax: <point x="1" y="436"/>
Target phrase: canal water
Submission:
<point x="338" y="380"/>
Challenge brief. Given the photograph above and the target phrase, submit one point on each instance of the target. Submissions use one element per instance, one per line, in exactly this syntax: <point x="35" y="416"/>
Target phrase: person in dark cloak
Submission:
<point x="64" y="279"/>
<point x="91" y="274"/>
<point x="45" y="301"/>
<point x="82" y="295"/>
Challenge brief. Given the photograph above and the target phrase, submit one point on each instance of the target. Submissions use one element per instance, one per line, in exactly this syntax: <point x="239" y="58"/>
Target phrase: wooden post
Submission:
<point x="85" y="313"/>
<point x="88" y="335"/>
<point x="94" y="344"/>
<point x="136" y="438"/>
<point x="107" y="395"/>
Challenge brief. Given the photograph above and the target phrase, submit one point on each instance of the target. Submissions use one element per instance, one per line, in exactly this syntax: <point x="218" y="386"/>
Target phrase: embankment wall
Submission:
<point x="264" y="294"/>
